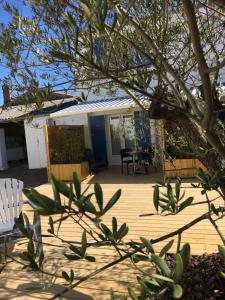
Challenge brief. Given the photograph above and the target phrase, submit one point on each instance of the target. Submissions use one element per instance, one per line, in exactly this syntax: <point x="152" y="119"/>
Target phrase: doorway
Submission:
<point x="121" y="132"/>
<point x="98" y="138"/>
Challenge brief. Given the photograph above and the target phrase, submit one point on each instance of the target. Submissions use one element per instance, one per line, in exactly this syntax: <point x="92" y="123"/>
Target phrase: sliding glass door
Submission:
<point x="122" y="135"/>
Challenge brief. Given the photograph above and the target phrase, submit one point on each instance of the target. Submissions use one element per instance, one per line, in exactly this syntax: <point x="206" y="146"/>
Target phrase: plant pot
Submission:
<point x="65" y="172"/>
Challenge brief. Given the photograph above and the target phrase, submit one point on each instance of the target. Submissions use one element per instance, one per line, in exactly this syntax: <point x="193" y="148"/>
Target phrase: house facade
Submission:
<point x="110" y="125"/>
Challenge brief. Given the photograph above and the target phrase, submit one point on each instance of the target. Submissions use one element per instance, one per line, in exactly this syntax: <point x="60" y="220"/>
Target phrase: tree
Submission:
<point x="159" y="49"/>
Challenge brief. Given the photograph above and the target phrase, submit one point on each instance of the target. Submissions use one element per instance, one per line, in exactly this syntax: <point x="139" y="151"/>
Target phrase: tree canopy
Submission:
<point x="172" y="52"/>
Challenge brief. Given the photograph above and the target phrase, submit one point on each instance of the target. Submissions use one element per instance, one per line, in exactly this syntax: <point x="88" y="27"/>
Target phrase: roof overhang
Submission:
<point x="93" y="110"/>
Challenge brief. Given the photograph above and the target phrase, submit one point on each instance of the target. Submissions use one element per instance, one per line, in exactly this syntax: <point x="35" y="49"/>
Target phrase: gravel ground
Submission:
<point x="202" y="280"/>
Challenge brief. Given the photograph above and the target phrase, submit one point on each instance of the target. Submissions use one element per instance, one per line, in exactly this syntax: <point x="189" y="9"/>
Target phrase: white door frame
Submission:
<point x="114" y="159"/>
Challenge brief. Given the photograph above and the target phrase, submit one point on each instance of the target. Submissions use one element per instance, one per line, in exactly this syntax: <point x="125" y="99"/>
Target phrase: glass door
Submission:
<point x="122" y="135"/>
<point x="128" y="130"/>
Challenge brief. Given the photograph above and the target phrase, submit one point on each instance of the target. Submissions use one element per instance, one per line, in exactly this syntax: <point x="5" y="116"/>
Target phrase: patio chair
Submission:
<point x="10" y="204"/>
<point x="126" y="159"/>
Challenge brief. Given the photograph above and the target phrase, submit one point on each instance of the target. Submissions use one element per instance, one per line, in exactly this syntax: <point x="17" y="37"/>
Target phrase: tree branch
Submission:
<point x="119" y="260"/>
<point x="166" y="65"/>
<point x="217" y="67"/>
<point x="202" y="65"/>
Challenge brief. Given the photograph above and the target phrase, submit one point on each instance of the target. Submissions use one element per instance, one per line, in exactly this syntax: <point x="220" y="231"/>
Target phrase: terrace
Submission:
<point x="136" y="199"/>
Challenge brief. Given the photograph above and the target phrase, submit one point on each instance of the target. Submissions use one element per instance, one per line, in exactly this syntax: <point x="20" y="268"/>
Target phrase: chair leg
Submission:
<point x="122" y="168"/>
<point x="127" y="169"/>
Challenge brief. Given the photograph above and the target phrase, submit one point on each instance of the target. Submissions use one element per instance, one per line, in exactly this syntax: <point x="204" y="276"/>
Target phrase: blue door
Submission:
<point x="97" y="124"/>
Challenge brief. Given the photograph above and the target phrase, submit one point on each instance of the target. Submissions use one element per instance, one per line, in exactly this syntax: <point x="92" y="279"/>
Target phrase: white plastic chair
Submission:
<point x="11" y="203"/>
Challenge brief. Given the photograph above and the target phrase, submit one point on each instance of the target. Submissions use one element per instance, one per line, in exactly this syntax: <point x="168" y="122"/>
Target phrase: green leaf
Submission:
<point x="140" y="257"/>
<point x="43" y="204"/>
<point x="99" y="195"/>
<point x="152" y="285"/>
<point x="71" y="275"/>
<point x="122" y="231"/>
<point x="41" y="259"/>
<point x="83" y="97"/>
<point x="185" y="254"/>
<point x="222" y="251"/>
<point x="64" y="56"/>
<point x="71" y="19"/>
<point x="132" y="294"/>
<point x="164" y="278"/>
<point x="185" y="203"/>
<point x="114" y="227"/>
<point x="90" y="258"/>
<point x="179" y="269"/>
<point x="147" y="244"/>
<point x="161" y="183"/>
<point x="106" y="230"/>
<point x="55" y="191"/>
<point x="24" y="256"/>
<point x="177" y="188"/>
<point x="161" y="264"/>
<point x="86" y="8"/>
<point x="76" y="250"/>
<point x="77" y="186"/>
<point x="65" y="276"/>
<point x="156" y="197"/>
<point x="30" y="247"/>
<point x="112" y="201"/>
<point x="177" y="291"/>
<point x="88" y="206"/>
<point x="166" y="248"/>
<point x="83" y="243"/>
<point x="51" y="224"/>
<point x="213" y="208"/>
<point x="26" y="220"/>
<point x="72" y="257"/>
<point x="26" y="231"/>
<point x="60" y="186"/>
<point x="85" y="205"/>
<point x="170" y="196"/>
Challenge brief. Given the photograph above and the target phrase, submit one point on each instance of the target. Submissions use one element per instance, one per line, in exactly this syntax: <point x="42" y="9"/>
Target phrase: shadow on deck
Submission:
<point x="113" y="175"/>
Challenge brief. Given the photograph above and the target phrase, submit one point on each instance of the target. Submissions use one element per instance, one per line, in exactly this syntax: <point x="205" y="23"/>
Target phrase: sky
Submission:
<point x="5" y="18"/>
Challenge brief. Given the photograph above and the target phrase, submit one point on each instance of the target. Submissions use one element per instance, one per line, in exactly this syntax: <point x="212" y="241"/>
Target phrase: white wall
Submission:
<point x="35" y="140"/>
<point x="77" y="119"/>
<point x="35" y="137"/>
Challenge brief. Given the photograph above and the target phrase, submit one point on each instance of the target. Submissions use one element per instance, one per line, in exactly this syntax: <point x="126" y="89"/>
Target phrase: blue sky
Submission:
<point x="5" y="18"/>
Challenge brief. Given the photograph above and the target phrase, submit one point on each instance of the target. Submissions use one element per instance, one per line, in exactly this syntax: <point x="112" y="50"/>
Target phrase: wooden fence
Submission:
<point x="182" y="168"/>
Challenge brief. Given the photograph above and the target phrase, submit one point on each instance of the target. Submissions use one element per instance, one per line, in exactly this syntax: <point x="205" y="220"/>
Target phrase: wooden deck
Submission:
<point x="136" y="199"/>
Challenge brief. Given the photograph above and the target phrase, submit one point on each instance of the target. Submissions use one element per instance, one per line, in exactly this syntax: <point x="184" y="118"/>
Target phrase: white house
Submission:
<point x="110" y="125"/>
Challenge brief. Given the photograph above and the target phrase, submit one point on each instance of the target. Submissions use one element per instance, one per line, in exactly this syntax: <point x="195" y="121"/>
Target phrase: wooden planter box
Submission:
<point x="183" y="168"/>
<point x="64" y="172"/>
